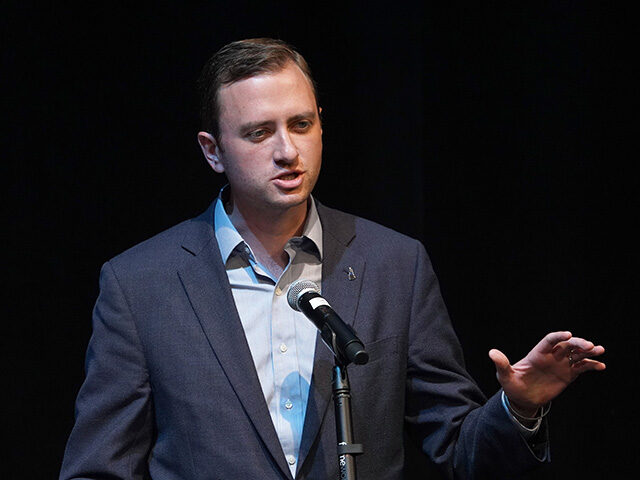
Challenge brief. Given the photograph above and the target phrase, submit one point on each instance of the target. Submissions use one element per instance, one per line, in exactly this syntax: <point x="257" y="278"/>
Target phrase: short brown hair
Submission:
<point x="240" y="60"/>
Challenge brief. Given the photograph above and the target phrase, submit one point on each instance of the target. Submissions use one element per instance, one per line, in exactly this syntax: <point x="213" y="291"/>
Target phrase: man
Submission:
<point x="197" y="368"/>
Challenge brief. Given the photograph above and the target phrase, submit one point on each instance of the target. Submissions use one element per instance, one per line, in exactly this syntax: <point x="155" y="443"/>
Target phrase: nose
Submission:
<point x="285" y="151"/>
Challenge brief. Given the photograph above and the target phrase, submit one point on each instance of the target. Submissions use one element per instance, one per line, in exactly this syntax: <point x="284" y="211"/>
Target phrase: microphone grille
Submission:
<point x="296" y="288"/>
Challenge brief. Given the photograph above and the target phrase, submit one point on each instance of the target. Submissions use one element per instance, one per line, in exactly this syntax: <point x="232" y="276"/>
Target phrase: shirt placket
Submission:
<point x="286" y="367"/>
<point x="288" y="418"/>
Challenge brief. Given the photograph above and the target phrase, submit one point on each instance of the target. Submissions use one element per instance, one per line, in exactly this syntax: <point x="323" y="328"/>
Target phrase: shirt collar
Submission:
<point x="228" y="237"/>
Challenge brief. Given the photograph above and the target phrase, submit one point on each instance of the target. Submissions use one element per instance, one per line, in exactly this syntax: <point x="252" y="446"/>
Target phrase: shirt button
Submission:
<point x="278" y="291"/>
<point x="291" y="459"/>
<point x="283" y="348"/>
<point x="288" y="405"/>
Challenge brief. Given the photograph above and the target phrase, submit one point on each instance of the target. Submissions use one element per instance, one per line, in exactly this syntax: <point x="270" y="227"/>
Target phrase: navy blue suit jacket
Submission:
<point x="171" y="391"/>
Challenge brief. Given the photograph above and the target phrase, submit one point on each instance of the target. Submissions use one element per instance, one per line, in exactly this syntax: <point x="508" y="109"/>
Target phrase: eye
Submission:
<point x="257" y="135"/>
<point x="302" y="125"/>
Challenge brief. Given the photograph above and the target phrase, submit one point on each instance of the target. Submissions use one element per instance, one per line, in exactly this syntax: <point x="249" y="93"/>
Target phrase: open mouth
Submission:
<point x="289" y="176"/>
<point x="289" y="180"/>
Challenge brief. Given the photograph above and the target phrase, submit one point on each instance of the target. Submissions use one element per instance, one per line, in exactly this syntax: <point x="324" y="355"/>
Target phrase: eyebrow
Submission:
<point x="300" y="116"/>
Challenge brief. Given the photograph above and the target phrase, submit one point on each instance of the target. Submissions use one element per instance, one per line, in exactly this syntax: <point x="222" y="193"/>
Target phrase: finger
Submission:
<point x="578" y="354"/>
<point x="551" y="340"/>
<point x="595" y="351"/>
<point x="586" y="365"/>
<point x="503" y="366"/>
<point x="579" y="344"/>
<point x="577" y="349"/>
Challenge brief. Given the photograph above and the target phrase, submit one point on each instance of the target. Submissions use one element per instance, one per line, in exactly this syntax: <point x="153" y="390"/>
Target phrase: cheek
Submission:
<point x="313" y="149"/>
<point x="244" y="162"/>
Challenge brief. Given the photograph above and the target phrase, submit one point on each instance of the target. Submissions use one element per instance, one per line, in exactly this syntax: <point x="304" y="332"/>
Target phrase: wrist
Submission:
<point x="521" y="410"/>
<point x="524" y="417"/>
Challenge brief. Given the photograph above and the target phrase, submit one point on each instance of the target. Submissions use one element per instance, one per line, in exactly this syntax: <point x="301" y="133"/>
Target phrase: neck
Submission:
<point x="267" y="232"/>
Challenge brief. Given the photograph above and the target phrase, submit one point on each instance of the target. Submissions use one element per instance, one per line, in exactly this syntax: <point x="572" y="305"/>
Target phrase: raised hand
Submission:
<point x="546" y="371"/>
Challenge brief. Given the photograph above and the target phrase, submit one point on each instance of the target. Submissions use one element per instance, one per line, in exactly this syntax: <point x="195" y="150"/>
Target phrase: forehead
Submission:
<point x="265" y="97"/>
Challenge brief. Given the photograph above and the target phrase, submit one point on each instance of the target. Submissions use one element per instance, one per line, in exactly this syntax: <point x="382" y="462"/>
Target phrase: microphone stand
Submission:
<point x="347" y="450"/>
<point x="341" y="339"/>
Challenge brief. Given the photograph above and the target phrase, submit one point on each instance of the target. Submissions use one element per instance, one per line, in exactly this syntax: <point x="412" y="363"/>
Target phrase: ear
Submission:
<point x="211" y="151"/>
<point x="320" y="117"/>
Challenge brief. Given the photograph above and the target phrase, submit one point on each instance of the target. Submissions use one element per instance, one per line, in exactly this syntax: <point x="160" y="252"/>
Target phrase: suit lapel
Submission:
<point x="207" y="286"/>
<point x="342" y="291"/>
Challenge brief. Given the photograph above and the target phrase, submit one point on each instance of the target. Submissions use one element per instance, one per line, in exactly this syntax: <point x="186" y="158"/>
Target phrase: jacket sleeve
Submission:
<point x="465" y="436"/>
<point x="113" y="431"/>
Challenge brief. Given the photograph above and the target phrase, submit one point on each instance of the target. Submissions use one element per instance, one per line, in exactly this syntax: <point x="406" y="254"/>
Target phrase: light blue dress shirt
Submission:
<point x="282" y="341"/>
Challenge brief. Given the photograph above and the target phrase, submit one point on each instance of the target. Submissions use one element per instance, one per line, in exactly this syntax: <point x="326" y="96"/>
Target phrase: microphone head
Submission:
<point x="297" y="288"/>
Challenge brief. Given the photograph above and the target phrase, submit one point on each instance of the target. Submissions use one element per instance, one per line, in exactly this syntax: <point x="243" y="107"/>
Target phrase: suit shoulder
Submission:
<point x="168" y="248"/>
<point x="372" y="231"/>
<point x="364" y="232"/>
<point x="155" y="248"/>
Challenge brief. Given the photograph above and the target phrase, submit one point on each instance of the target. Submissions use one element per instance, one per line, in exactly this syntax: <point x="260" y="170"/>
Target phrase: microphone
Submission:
<point x="304" y="296"/>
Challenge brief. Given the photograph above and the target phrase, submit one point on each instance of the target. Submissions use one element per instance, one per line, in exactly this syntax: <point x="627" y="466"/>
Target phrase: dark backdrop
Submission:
<point x="489" y="132"/>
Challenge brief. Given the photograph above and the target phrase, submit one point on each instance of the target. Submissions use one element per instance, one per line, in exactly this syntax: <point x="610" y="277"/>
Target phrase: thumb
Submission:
<point x="501" y="362"/>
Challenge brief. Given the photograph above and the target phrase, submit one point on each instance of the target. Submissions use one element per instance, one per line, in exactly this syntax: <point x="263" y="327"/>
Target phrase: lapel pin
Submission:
<point x="351" y="275"/>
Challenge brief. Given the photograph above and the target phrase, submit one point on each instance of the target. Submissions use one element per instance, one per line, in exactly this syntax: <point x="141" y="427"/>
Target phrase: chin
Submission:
<point x="292" y="200"/>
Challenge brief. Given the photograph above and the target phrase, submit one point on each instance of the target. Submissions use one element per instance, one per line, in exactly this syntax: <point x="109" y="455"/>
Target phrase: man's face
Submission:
<point x="270" y="140"/>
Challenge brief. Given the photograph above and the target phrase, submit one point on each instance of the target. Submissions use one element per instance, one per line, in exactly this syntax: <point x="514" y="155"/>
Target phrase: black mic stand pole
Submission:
<point x="347" y="450"/>
<point x="341" y="339"/>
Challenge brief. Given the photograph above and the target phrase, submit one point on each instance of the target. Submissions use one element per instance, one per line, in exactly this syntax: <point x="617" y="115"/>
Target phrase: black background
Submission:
<point x="490" y="131"/>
